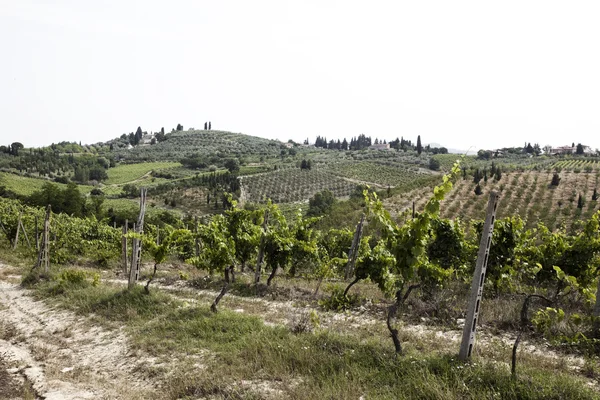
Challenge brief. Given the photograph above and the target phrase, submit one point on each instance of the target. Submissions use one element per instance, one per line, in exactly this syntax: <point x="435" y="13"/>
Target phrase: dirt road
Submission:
<point x="64" y="356"/>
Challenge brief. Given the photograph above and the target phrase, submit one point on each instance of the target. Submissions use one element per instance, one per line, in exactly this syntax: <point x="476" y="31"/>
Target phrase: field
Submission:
<point x="131" y="172"/>
<point x="374" y="173"/>
<point x="527" y="194"/>
<point x="208" y="144"/>
<point x="24" y="186"/>
<point x="293" y="184"/>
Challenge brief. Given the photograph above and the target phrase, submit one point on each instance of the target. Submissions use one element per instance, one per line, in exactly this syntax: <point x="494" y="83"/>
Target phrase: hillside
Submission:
<point x="209" y="144"/>
<point x="528" y="194"/>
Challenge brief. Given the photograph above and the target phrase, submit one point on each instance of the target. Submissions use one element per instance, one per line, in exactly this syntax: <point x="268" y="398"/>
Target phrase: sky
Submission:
<point x="464" y="74"/>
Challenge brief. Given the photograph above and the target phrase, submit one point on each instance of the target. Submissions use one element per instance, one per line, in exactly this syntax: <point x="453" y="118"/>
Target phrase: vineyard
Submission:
<point x="373" y="173"/>
<point x="131" y="172"/>
<point x="388" y="281"/>
<point x="265" y="302"/>
<point x="208" y="144"/>
<point x="293" y="184"/>
<point x="528" y="194"/>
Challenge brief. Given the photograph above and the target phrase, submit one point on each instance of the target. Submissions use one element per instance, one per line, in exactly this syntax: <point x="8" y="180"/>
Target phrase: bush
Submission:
<point x="338" y="301"/>
<point x="434" y="164"/>
<point x="478" y="190"/>
<point x="555" y="179"/>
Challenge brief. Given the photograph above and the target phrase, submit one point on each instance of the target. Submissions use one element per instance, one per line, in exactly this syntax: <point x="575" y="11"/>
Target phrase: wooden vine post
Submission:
<point x="196" y="239"/>
<point x="37" y="235"/>
<point x="44" y="254"/>
<point x="353" y="253"/>
<point x="16" y="242"/>
<point x="261" y="249"/>
<point x="124" y="248"/>
<point x="134" y="271"/>
<point x="468" y="338"/>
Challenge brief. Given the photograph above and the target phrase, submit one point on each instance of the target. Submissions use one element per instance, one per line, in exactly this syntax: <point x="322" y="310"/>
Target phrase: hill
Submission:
<point x="209" y="144"/>
<point x="527" y="193"/>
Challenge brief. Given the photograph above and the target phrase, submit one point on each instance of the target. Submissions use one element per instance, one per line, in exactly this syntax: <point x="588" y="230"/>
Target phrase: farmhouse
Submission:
<point x="380" y="146"/>
<point x="570" y="150"/>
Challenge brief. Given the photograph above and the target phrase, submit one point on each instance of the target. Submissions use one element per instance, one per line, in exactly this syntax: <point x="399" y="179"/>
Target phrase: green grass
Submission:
<point x="130" y="172"/>
<point x="306" y="365"/>
<point x="25" y="186"/>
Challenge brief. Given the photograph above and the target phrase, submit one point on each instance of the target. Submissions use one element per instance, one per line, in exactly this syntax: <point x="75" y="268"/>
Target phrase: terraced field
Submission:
<point x="372" y="172"/>
<point x="131" y="172"/>
<point x="294" y="184"/>
<point x="24" y="186"/>
<point x="528" y="194"/>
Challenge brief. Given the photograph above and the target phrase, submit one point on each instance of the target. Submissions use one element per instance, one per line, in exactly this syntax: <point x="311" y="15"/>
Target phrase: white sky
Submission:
<point x="478" y="73"/>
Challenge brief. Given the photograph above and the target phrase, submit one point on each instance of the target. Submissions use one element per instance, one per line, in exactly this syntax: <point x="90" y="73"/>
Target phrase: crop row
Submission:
<point x="293" y="185"/>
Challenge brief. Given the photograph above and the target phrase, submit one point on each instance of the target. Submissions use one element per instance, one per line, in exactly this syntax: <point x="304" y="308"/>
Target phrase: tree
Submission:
<point x="209" y="126"/>
<point x="279" y="242"/>
<point x="434" y="164"/>
<point x="595" y="195"/>
<point x="498" y="174"/>
<point x="205" y="125"/>
<point x="419" y="146"/>
<point x="580" y="202"/>
<point x="555" y="179"/>
<point x="398" y="264"/>
<point x="529" y="149"/>
<point x="232" y="164"/>
<point x="15" y="148"/>
<point x="243" y="228"/>
<point x="179" y="127"/>
<point x="320" y="203"/>
<point x="218" y="253"/>
<point x="579" y="149"/>
<point x="478" y="190"/>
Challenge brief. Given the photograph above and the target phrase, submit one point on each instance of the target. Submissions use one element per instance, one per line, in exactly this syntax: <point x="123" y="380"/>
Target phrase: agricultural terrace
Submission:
<point x="25" y="186"/>
<point x="527" y="194"/>
<point x="207" y="144"/>
<point x="125" y="173"/>
<point x="293" y="184"/>
<point x="375" y="173"/>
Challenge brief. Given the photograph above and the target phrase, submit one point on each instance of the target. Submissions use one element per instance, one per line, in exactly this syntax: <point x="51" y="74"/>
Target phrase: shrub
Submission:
<point x="434" y="164"/>
<point x="555" y="179"/>
<point x="338" y="301"/>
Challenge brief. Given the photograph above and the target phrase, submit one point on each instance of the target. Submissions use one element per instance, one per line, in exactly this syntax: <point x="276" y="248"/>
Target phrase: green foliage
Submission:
<point x="338" y="301"/>
<point x="434" y="164"/>
<point x="218" y="247"/>
<point x="401" y="256"/>
<point x="320" y="204"/>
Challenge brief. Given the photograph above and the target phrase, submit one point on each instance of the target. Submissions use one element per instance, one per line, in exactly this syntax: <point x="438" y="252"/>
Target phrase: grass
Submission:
<point x="25" y="186"/>
<point x="130" y="172"/>
<point x="241" y="357"/>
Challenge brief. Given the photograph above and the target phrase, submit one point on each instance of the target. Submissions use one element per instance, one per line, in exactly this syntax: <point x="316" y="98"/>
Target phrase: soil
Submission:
<point x="63" y="356"/>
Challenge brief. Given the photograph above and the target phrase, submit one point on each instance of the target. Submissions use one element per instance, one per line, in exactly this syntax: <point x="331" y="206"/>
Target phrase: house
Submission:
<point x="570" y="150"/>
<point x="563" y="150"/>
<point x="380" y="146"/>
<point x="146" y="140"/>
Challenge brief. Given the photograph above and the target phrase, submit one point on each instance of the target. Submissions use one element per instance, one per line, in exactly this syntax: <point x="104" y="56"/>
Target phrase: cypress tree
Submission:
<point x="478" y="190"/>
<point x="580" y="202"/>
<point x="595" y="195"/>
<point x="419" y="147"/>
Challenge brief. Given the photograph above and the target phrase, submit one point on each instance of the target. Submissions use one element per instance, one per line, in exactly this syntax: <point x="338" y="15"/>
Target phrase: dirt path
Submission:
<point x="64" y="356"/>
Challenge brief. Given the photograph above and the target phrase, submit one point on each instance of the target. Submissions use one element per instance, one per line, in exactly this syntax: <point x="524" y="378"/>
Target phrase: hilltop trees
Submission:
<point x="419" y="146"/>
